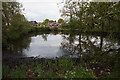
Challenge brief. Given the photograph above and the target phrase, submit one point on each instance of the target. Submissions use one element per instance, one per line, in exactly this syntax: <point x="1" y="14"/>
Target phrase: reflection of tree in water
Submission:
<point x="82" y="44"/>
<point x="99" y="52"/>
<point x="44" y="36"/>
<point x="16" y="47"/>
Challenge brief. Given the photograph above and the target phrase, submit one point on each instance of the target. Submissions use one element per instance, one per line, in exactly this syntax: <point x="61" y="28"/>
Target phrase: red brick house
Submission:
<point x="54" y="24"/>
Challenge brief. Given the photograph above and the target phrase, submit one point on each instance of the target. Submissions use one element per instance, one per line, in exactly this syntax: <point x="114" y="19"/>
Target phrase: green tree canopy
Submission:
<point x="14" y="24"/>
<point x="45" y="22"/>
<point x="92" y="16"/>
<point x="60" y="20"/>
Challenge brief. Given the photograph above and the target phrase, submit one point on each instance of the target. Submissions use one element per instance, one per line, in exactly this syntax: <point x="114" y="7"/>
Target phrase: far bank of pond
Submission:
<point x="98" y="53"/>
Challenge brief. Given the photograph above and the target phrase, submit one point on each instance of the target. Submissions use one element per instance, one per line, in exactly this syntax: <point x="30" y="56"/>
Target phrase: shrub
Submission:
<point x="54" y="29"/>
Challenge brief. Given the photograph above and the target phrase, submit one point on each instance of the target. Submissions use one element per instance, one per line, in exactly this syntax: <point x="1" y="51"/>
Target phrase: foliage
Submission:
<point x="42" y="29"/>
<point x="115" y="72"/>
<point x="18" y="73"/>
<point x="55" y="29"/>
<point x="51" y="21"/>
<point x="46" y="21"/>
<point x="79" y="72"/>
<point x="38" y="71"/>
<point x="66" y="63"/>
<point x="54" y="68"/>
<point x="60" y="21"/>
<point x="92" y="16"/>
<point x="72" y="24"/>
<point x="16" y="30"/>
<point x="14" y="24"/>
<point x="38" y="29"/>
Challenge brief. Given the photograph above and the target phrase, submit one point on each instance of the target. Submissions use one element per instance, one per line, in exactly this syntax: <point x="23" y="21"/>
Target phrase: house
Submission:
<point x="33" y="23"/>
<point x="39" y="24"/>
<point x="54" y="24"/>
<point x="50" y="24"/>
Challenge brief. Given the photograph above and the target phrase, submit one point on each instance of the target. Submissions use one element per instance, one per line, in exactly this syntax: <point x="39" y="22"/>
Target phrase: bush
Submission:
<point x="54" y="29"/>
<point x="47" y="28"/>
<point x="38" y="29"/>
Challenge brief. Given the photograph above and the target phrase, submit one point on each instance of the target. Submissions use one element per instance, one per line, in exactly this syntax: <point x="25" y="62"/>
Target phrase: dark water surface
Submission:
<point x="57" y="45"/>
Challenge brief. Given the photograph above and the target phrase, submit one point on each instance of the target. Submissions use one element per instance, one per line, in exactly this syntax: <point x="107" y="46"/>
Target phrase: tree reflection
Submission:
<point x="98" y="52"/>
<point x="44" y="36"/>
<point x="16" y="47"/>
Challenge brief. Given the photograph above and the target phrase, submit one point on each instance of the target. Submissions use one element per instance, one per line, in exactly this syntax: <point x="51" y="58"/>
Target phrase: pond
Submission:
<point x="52" y="45"/>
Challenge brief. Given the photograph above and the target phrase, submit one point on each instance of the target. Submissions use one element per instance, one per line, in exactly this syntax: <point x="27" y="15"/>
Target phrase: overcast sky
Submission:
<point x="39" y="10"/>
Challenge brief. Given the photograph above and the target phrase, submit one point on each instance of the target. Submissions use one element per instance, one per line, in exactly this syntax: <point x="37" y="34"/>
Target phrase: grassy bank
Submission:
<point x="47" y="68"/>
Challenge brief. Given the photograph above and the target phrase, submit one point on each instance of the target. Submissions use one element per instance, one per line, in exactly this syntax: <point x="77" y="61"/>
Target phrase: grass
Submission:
<point x="57" y="68"/>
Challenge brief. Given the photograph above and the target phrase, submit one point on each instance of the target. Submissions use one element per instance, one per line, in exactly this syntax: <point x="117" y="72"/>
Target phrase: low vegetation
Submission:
<point x="56" y="68"/>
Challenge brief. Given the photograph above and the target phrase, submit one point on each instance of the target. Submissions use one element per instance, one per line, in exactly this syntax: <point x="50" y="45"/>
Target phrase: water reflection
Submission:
<point x="60" y="44"/>
<point x="16" y="47"/>
<point x="88" y="44"/>
<point x="45" y="45"/>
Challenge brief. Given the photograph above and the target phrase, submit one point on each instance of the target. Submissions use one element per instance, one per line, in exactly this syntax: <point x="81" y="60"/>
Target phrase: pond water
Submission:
<point x="48" y="47"/>
<point x="52" y="45"/>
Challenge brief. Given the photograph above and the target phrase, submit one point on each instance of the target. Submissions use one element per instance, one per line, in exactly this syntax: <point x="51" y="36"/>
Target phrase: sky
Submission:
<point x="39" y="10"/>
